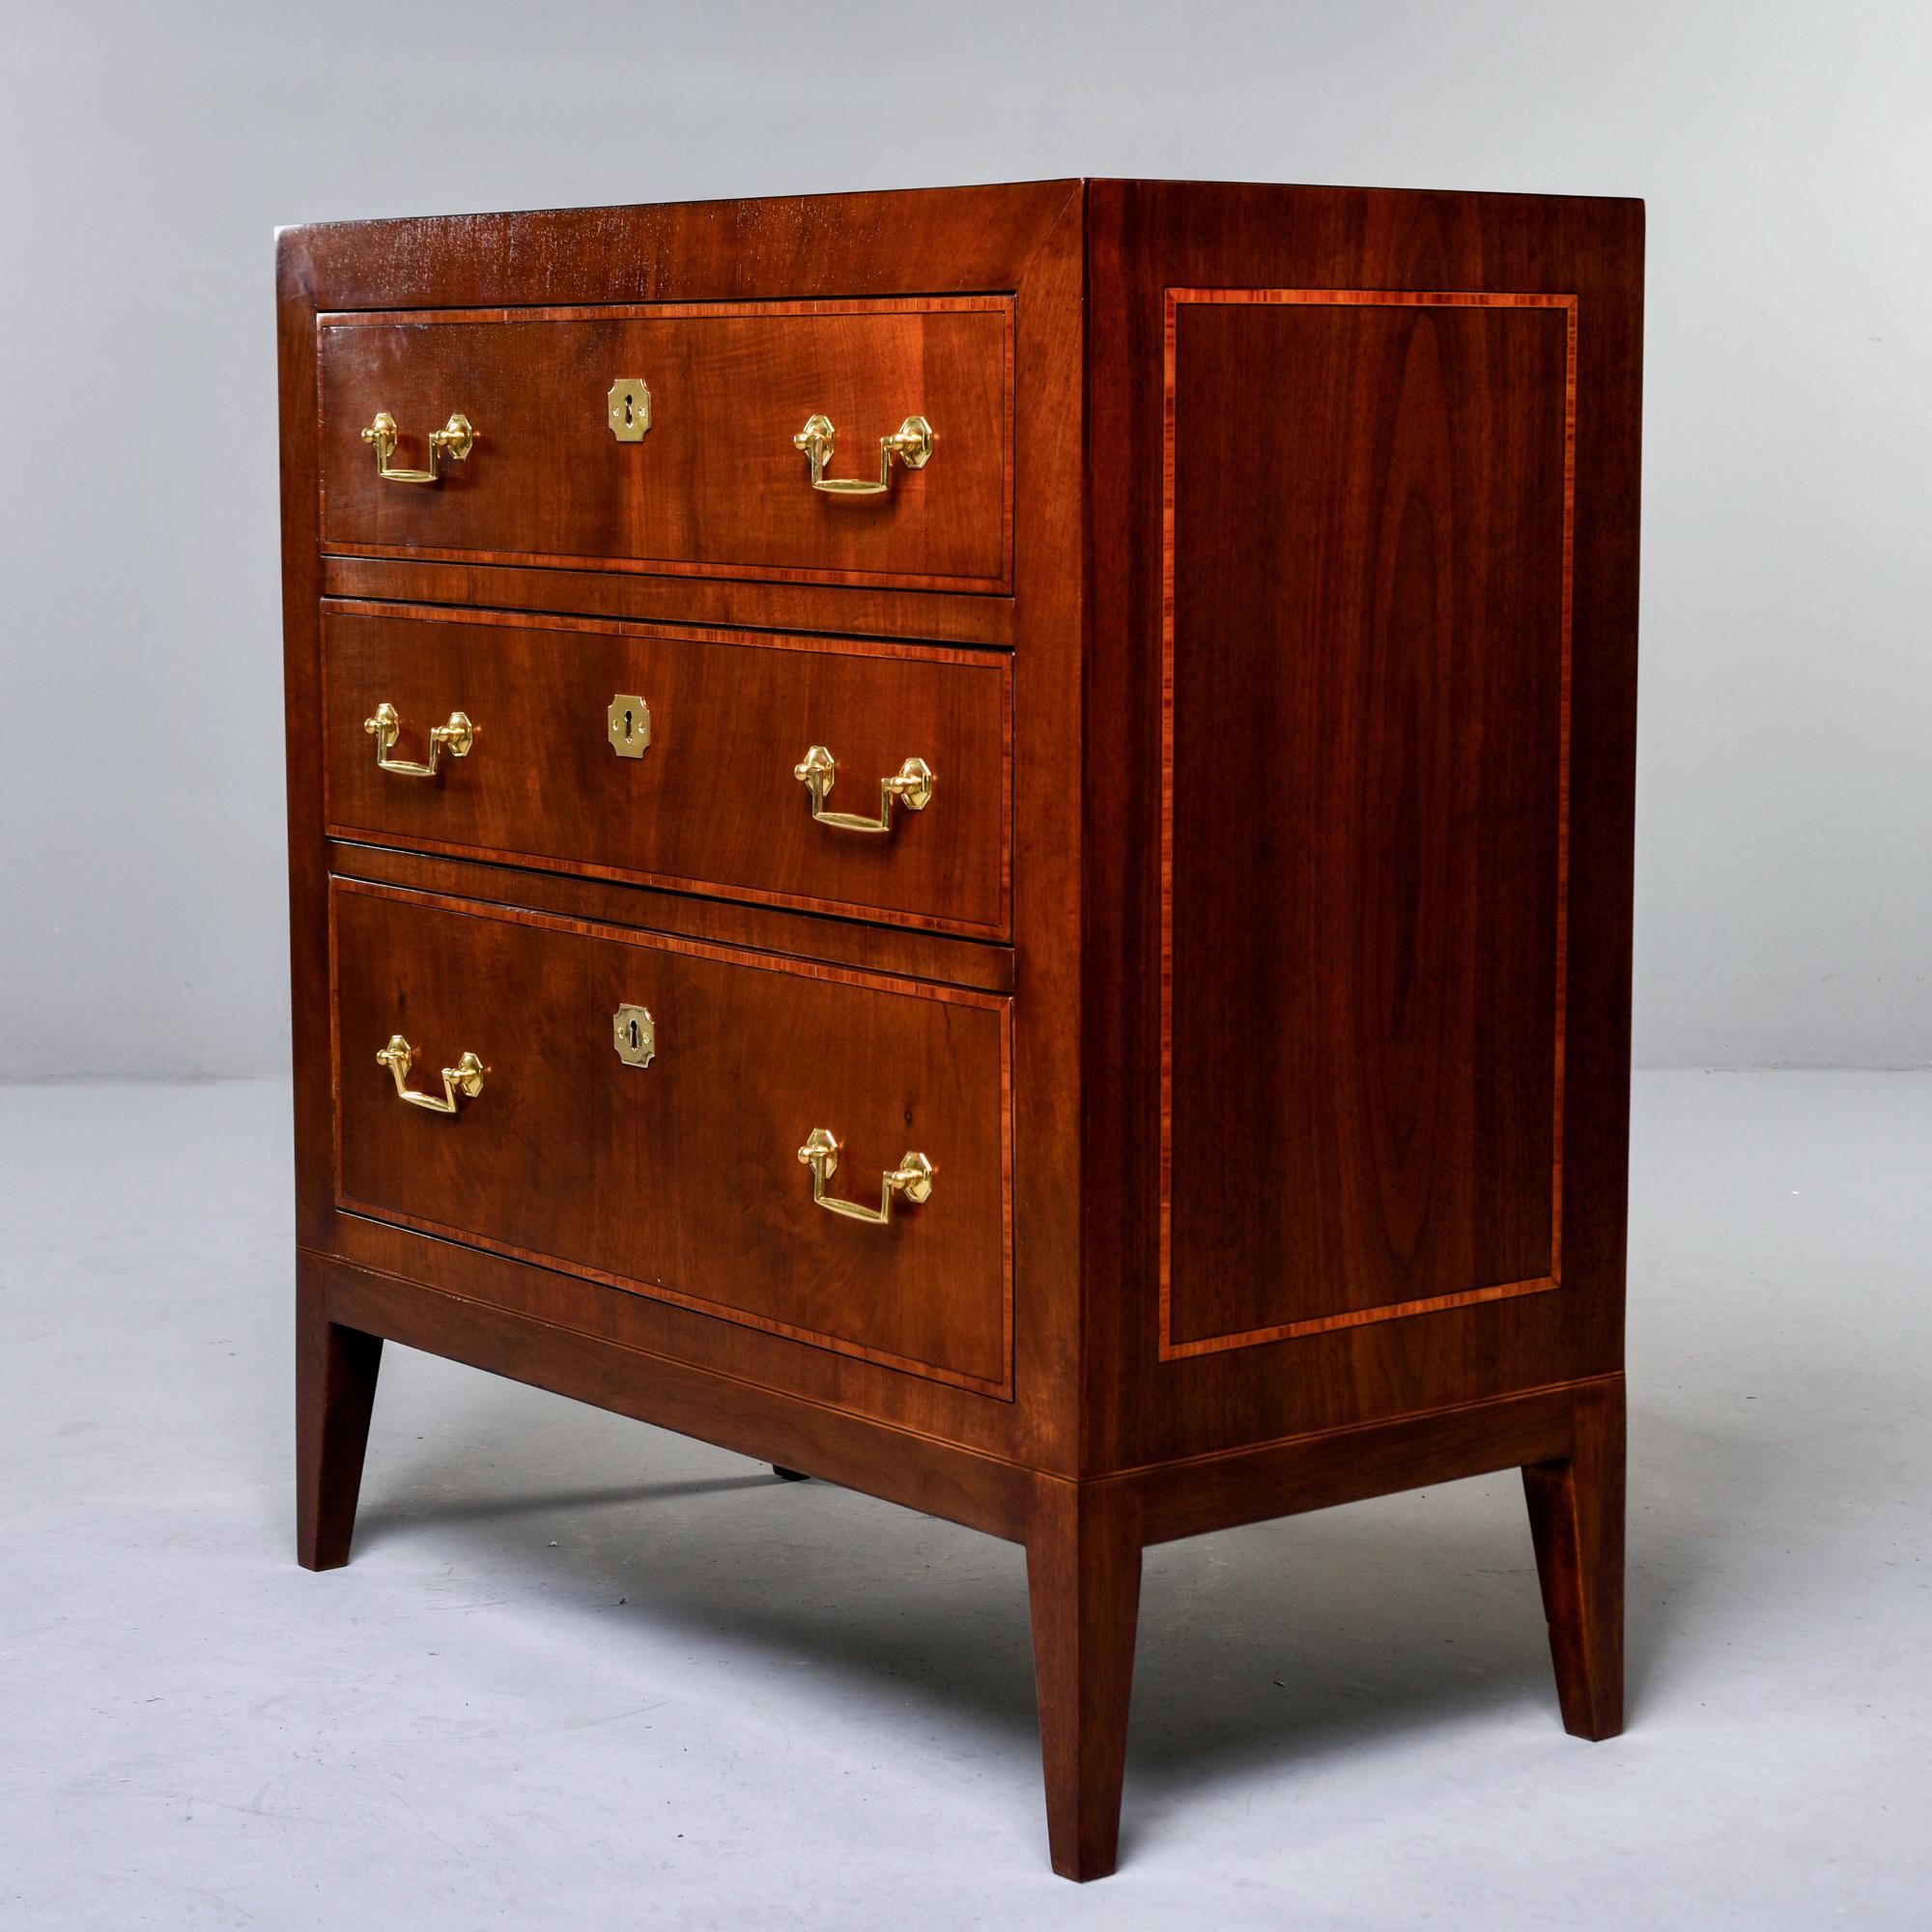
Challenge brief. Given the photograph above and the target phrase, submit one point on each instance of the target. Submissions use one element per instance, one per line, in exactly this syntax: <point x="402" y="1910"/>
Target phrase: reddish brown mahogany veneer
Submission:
<point x="1084" y="990"/>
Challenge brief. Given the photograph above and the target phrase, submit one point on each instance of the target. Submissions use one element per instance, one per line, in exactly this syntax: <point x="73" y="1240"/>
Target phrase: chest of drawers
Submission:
<point x="978" y="843"/>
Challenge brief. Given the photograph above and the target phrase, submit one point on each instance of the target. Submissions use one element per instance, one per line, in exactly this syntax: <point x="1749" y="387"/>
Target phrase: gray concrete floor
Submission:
<point x="583" y="1673"/>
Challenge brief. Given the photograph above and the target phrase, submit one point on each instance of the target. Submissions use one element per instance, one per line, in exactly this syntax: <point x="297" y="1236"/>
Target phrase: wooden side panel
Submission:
<point x="711" y="805"/>
<point x="681" y="1177"/>
<point x="1364" y="669"/>
<point x="715" y="486"/>
<point x="1367" y="1222"/>
<point x="301" y="706"/>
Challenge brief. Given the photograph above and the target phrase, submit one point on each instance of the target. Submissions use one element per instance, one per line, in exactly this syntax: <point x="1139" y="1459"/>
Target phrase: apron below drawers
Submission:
<point x="865" y="779"/>
<point x="830" y="441"/>
<point x="815" y="1153"/>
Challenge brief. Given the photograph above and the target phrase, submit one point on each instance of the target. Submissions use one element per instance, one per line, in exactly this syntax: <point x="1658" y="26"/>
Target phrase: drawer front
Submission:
<point x="709" y="799"/>
<point x="715" y="485"/>
<point x="681" y="1179"/>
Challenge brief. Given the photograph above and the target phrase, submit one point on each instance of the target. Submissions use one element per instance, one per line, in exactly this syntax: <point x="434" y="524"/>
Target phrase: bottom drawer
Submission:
<point x="682" y="1177"/>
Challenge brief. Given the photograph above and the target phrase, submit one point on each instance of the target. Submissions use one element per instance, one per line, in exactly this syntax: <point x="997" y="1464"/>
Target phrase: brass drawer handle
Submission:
<point x="911" y="788"/>
<point x="912" y="445"/>
<point x="911" y="1177"/>
<point x="454" y="439"/>
<point x="465" y="1077"/>
<point x="456" y="738"/>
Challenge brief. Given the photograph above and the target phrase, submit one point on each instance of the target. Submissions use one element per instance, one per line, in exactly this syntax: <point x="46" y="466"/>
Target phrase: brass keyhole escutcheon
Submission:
<point x="628" y="722"/>
<point x="628" y="408"/>
<point x="634" y="1034"/>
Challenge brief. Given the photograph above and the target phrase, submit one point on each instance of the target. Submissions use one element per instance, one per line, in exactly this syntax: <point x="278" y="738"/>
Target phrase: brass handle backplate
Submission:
<point x="912" y="444"/>
<point x="912" y="788"/>
<point x="386" y="728"/>
<point x="911" y="1177"/>
<point x="465" y="1078"/>
<point x="455" y="439"/>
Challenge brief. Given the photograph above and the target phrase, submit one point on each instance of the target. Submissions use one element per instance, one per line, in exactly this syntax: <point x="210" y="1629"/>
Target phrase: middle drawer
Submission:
<point x="866" y="778"/>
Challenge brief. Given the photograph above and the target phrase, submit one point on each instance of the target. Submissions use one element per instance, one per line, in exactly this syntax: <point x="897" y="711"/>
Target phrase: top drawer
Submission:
<point x="716" y="485"/>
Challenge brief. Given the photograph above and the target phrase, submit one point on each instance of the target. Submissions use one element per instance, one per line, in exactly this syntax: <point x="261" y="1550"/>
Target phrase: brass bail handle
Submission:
<point x="455" y="737"/>
<point x="912" y="444"/>
<point x="455" y="439"/>
<point x="463" y="1080"/>
<point x="911" y="1178"/>
<point x="911" y="786"/>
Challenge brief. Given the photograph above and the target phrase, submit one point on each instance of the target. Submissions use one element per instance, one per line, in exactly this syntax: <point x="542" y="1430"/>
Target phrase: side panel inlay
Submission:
<point x="1369" y="495"/>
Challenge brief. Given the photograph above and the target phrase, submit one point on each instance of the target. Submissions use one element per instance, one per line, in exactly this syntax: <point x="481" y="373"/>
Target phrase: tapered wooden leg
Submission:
<point x="335" y="1390"/>
<point x="1084" y="1576"/>
<point x="1576" y="1517"/>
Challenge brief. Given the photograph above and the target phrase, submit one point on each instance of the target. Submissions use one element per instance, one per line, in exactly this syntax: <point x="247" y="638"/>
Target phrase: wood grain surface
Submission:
<point x="715" y="487"/>
<point x="1266" y="1016"/>
<point x="858" y="611"/>
<point x="895" y="951"/>
<point x="1364" y="669"/>
<point x="712" y="805"/>
<point x="1280" y="800"/>
<point x="681" y="1179"/>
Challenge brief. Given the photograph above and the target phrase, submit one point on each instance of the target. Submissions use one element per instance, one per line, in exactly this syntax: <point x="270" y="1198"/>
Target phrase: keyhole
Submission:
<point x="629" y="717"/>
<point x="630" y="417"/>
<point x="637" y="1036"/>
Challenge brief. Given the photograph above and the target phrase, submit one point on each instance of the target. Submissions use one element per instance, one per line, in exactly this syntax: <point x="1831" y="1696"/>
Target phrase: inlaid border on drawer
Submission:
<point x="855" y="440"/>
<point x="890" y="984"/>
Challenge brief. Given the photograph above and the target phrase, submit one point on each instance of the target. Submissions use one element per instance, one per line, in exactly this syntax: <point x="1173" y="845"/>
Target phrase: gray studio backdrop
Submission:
<point x="146" y="153"/>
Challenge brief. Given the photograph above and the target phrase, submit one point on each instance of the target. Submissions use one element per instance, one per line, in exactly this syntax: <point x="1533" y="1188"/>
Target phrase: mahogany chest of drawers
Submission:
<point x="978" y="843"/>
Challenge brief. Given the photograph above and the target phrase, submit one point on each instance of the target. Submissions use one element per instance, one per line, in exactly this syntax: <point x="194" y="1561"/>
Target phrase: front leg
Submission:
<point x="1083" y="1578"/>
<point x="335" y="1390"/>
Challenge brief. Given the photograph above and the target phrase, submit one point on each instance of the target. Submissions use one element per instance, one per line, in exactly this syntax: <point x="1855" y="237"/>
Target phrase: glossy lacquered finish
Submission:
<point x="709" y="802"/>
<point x="1385" y="1015"/>
<point x="1227" y="1060"/>
<point x="716" y="483"/>
<point x="681" y="1177"/>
